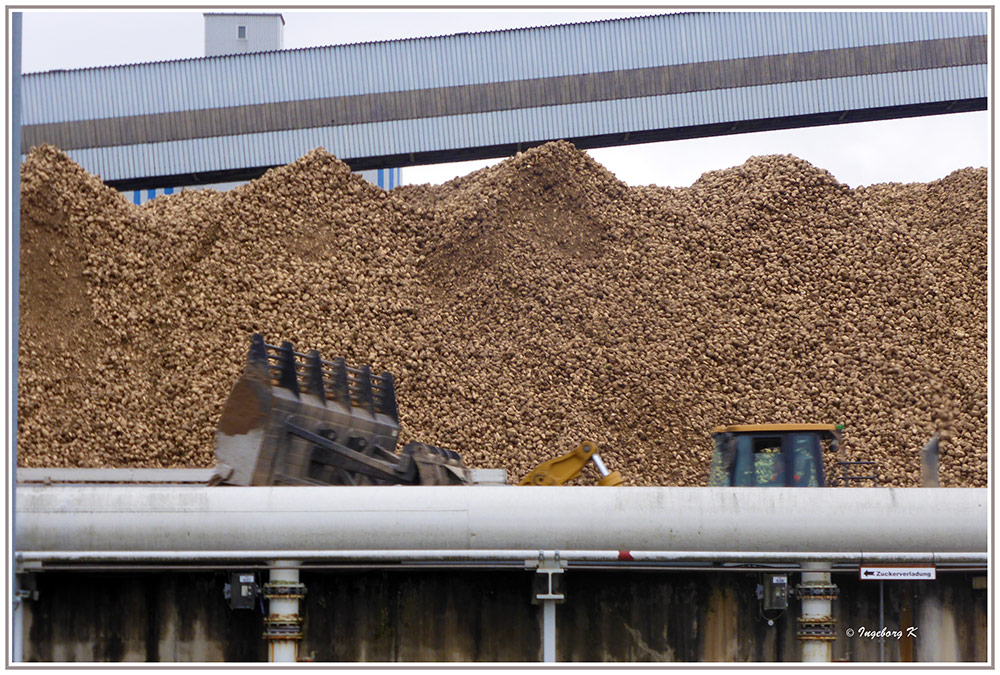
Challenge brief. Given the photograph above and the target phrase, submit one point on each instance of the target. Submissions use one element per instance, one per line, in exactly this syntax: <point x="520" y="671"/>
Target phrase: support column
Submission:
<point x="816" y="626"/>
<point x="548" y="592"/>
<point x="283" y="624"/>
<point x="548" y="631"/>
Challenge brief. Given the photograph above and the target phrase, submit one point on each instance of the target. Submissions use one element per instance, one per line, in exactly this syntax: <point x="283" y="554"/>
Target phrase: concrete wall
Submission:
<point x="487" y="616"/>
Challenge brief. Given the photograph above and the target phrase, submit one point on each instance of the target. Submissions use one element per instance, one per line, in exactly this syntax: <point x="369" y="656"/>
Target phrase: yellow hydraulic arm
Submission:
<point x="563" y="469"/>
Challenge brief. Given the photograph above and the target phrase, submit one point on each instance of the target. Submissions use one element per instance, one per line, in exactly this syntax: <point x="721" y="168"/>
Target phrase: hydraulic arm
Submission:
<point x="563" y="469"/>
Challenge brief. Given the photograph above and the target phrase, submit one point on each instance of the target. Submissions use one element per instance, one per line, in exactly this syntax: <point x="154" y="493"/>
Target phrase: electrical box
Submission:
<point x="775" y="591"/>
<point x="242" y="590"/>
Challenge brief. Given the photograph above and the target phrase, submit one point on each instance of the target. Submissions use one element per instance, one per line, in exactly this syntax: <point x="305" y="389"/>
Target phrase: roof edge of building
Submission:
<point x="354" y="44"/>
<point x="277" y="14"/>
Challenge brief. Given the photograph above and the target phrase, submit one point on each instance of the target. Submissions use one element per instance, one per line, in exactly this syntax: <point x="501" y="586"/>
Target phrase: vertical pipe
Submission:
<point x="283" y="612"/>
<point x="549" y="631"/>
<point x="816" y="610"/>
<point x="930" y="615"/>
<point x="15" y="285"/>
<point x="929" y="463"/>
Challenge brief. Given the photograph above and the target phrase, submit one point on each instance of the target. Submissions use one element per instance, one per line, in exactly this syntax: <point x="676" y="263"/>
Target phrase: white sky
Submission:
<point x="917" y="149"/>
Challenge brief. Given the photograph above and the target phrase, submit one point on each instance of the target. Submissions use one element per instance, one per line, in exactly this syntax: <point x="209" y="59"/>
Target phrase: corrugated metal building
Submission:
<point x="466" y="96"/>
<point x="247" y="33"/>
<point x="243" y="33"/>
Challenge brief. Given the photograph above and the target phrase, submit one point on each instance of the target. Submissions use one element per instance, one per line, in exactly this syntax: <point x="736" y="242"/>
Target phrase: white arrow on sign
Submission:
<point x="910" y="572"/>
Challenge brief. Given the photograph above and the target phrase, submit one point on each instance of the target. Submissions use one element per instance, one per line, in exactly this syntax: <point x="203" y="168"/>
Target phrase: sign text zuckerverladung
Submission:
<point x="898" y="573"/>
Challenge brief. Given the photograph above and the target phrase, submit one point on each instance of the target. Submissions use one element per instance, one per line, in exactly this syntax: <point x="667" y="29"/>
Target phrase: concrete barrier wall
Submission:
<point x="487" y="616"/>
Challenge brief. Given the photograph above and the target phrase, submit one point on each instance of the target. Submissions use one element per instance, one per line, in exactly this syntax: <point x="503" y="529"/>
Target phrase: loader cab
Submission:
<point x="771" y="455"/>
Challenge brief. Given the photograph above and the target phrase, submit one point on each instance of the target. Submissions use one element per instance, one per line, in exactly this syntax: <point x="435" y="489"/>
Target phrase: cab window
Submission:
<point x="806" y="460"/>
<point x="768" y="463"/>
<point x="718" y="475"/>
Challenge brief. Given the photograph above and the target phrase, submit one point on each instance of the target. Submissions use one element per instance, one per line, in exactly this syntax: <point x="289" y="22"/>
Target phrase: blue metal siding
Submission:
<point x="139" y="197"/>
<point x="495" y="128"/>
<point x="468" y="59"/>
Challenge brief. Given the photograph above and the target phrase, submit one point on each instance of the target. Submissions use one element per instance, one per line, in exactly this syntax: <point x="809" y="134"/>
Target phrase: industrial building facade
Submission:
<point x="481" y="95"/>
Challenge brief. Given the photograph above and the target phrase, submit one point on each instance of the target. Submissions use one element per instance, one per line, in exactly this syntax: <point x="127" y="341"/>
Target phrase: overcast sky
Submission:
<point x="918" y="149"/>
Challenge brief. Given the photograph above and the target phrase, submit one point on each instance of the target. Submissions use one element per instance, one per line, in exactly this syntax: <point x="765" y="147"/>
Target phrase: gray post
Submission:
<point x="548" y="593"/>
<point x="15" y="289"/>
<point x="549" y="631"/>
<point x="929" y="463"/>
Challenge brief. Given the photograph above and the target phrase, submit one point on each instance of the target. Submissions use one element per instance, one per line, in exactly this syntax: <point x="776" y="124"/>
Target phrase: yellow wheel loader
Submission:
<point x="294" y="418"/>
<point x="780" y="455"/>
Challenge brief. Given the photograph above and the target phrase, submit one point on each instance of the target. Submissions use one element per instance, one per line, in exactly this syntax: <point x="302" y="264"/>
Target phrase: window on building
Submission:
<point x="241" y="32"/>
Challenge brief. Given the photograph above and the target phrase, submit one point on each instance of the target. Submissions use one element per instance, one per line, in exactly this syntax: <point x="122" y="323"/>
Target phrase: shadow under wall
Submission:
<point x="487" y="616"/>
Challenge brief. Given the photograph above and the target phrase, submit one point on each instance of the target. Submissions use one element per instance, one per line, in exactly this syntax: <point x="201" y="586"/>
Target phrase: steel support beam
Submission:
<point x="549" y="568"/>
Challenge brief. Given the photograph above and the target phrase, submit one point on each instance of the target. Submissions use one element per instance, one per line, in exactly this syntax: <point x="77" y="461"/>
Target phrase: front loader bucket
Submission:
<point x="296" y="419"/>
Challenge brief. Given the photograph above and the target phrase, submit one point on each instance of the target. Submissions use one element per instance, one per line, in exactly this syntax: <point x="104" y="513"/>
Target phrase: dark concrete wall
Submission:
<point x="487" y="616"/>
<point x="138" y="617"/>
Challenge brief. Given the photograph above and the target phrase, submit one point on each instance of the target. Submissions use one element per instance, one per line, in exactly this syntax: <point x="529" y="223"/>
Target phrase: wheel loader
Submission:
<point x="294" y="418"/>
<point x="781" y="455"/>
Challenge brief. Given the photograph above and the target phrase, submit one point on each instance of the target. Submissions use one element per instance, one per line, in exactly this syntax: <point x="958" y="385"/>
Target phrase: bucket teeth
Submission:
<point x="363" y="389"/>
<point x="341" y="384"/>
<point x="387" y="397"/>
<point x="295" y="419"/>
<point x="258" y="350"/>
<point x="289" y="377"/>
<point x="314" y="376"/>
